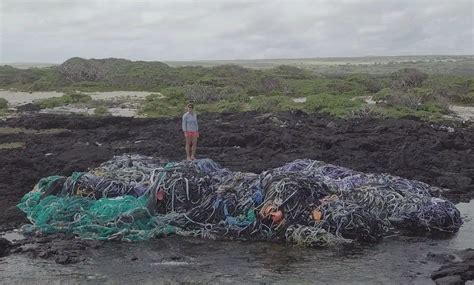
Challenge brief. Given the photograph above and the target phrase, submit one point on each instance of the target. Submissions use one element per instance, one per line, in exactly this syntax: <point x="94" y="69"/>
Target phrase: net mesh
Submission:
<point x="308" y="202"/>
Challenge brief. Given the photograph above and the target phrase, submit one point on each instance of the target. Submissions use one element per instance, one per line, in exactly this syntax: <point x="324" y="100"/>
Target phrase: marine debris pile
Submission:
<point x="308" y="202"/>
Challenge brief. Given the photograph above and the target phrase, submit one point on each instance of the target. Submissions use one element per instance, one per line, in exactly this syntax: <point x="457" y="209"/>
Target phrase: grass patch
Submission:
<point x="101" y="111"/>
<point x="334" y="105"/>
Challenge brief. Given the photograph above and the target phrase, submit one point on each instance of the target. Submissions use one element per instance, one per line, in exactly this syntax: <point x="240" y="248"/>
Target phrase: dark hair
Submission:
<point x="190" y="105"/>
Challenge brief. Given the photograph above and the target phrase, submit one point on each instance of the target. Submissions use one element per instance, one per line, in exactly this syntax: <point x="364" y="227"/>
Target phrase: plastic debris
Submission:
<point x="308" y="202"/>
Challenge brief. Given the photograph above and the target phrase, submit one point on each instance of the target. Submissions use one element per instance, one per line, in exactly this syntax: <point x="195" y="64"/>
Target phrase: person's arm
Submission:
<point x="184" y="123"/>
<point x="197" y="128"/>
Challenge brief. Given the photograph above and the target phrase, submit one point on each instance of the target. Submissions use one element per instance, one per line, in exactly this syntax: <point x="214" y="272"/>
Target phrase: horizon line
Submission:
<point x="249" y="59"/>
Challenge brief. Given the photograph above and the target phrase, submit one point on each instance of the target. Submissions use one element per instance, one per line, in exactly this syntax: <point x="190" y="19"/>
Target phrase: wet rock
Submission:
<point x="5" y="246"/>
<point x="454" y="271"/>
<point x="45" y="254"/>
<point x="449" y="270"/>
<point x="47" y="239"/>
<point x="450" y="280"/>
<point x="467" y="254"/>
<point x="67" y="259"/>
<point x="454" y="181"/>
<point x="16" y="250"/>
<point x="441" y="257"/>
<point x="29" y="107"/>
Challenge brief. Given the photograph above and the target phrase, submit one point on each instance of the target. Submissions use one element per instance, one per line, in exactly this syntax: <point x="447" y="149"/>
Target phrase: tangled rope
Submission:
<point x="308" y="202"/>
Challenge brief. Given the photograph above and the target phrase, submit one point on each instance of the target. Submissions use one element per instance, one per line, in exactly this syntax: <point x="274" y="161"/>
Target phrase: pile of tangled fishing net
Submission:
<point x="312" y="203"/>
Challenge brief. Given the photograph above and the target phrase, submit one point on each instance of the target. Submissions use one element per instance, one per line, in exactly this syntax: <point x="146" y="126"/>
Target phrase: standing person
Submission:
<point x="191" y="133"/>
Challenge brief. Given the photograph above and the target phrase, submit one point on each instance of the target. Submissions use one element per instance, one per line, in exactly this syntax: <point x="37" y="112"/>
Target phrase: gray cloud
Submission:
<point x="53" y="31"/>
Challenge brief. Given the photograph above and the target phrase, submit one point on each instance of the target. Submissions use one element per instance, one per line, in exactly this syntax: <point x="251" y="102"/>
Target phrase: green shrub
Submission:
<point x="101" y="111"/>
<point x="416" y="99"/>
<point x="366" y="111"/>
<point x="408" y="78"/>
<point x="69" y="98"/>
<point x="371" y="83"/>
<point x="234" y="93"/>
<point x="3" y="104"/>
<point x="201" y="93"/>
<point x="230" y="106"/>
<point x="332" y="104"/>
<point x="77" y="98"/>
<point x="307" y="87"/>
<point x="173" y="96"/>
<point x="382" y="95"/>
<point x="272" y="104"/>
<point x="288" y="71"/>
<point x="171" y="103"/>
<point x="463" y="99"/>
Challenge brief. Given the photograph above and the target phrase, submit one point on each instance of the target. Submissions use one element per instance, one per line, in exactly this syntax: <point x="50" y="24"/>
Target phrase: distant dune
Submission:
<point x="25" y="65"/>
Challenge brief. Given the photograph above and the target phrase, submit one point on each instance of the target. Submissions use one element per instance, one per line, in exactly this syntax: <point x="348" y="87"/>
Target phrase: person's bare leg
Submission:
<point x="188" y="147"/>
<point x="193" y="147"/>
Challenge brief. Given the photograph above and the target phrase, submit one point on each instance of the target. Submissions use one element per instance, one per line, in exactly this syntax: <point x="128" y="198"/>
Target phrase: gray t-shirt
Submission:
<point x="190" y="123"/>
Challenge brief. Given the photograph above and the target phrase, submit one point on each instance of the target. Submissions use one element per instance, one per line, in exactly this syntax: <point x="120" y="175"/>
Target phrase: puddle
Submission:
<point x="464" y="238"/>
<point x="12" y="236"/>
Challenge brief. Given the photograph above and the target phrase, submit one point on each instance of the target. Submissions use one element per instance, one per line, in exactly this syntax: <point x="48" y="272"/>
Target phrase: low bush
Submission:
<point x="463" y="99"/>
<point x="272" y="104"/>
<point x="101" y="111"/>
<point x="331" y="104"/>
<point x="3" y="104"/>
<point x="66" y="99"/>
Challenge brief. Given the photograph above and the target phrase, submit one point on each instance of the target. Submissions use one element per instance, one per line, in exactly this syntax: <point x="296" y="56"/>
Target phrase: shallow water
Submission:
<point x="392" y="261"/>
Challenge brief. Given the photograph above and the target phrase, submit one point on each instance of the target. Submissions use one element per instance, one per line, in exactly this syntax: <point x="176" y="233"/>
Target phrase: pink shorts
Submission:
<point x="191" y="134"/>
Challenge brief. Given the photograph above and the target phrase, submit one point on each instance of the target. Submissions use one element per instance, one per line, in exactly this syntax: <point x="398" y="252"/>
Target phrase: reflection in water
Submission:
<point x="394" y="260"/>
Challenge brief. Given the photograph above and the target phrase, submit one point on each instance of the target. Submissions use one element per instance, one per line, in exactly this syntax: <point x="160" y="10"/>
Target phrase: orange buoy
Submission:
<point x="267" y="210"/>
<point x="317" y="215"/>
<point x="277" y="216"/>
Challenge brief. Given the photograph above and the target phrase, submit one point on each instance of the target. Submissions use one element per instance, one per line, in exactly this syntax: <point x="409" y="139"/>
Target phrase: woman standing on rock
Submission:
<point x="191" y="133"/>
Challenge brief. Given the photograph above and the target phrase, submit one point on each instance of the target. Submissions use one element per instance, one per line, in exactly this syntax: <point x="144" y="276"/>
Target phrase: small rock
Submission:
<point x="449" y="270"/>
<point x="441" y="257"/>
<point x="67" y="259"/>
<point x="29" y="107"/>
<point x="62" y="259"/>
<point x="45" y="254"/>
<point x="5" y="246"/>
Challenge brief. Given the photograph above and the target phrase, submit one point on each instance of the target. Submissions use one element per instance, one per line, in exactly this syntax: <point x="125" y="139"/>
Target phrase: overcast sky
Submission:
<point x="53" y="31"/>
